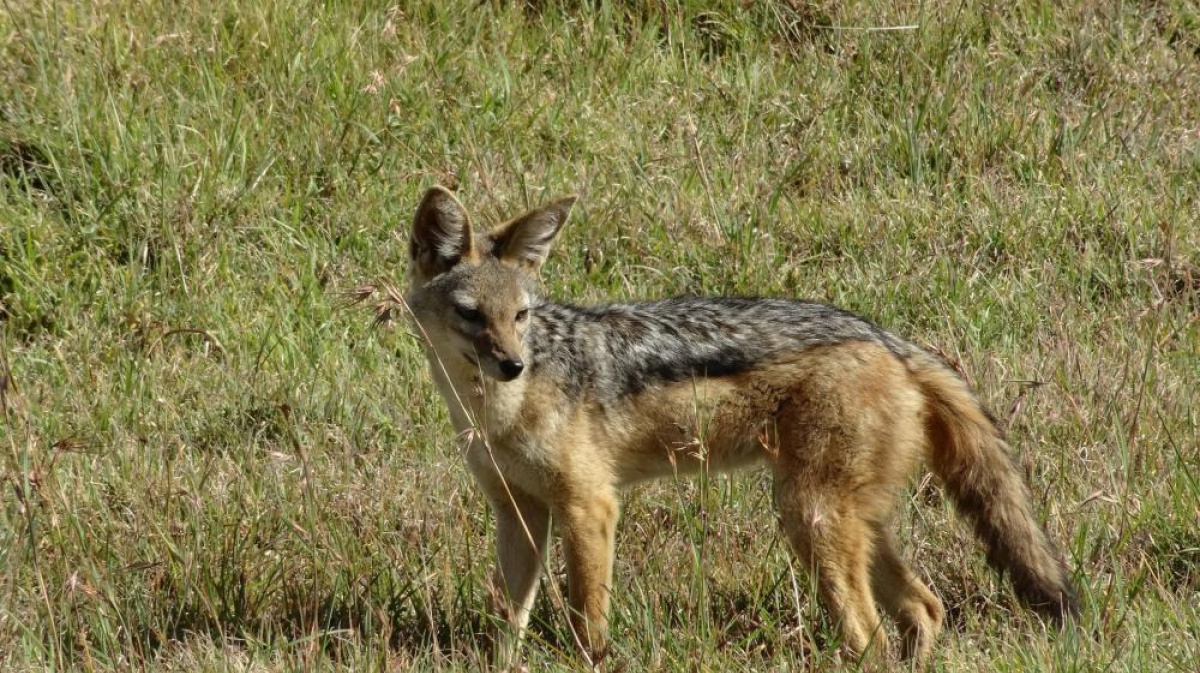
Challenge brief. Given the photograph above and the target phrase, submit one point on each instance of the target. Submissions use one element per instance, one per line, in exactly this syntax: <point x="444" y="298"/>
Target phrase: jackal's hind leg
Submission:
<point x="918" y="613"/>
<point x="836" y="546"/>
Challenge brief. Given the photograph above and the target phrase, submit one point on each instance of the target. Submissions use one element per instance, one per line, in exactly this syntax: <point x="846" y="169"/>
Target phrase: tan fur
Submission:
<point x="839" y="426"/>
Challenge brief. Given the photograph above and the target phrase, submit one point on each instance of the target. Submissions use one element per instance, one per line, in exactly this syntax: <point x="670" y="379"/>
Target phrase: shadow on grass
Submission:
<point x="334" y="622"/>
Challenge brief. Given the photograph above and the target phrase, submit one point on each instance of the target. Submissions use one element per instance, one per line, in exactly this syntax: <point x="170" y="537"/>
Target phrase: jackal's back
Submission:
<point x="612" y="351"/>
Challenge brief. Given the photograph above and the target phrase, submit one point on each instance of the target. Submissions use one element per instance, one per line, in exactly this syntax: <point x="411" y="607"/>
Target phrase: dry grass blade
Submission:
<point x="208" y="336"/>
<point x="358" y="295"/>
<point x="5" y="383"/>
<point x="383" y="299"/>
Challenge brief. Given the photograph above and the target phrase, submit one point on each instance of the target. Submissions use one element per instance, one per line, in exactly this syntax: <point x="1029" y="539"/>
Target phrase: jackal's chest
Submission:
<point x="534" y="468"/>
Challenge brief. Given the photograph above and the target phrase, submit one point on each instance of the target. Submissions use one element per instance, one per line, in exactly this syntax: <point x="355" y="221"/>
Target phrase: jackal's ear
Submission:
<point x="526" y="240"/>
<point x="441" y="233"/>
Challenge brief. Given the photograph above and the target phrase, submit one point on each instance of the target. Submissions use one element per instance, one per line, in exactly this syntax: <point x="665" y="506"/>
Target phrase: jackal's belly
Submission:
<point x="715" y="424"/>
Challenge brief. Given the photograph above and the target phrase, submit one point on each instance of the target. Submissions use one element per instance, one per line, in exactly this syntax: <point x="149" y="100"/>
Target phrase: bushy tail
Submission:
<point x="971" y="458"/>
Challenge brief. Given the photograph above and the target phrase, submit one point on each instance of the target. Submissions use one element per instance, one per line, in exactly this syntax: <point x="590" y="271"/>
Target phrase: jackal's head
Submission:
<point x="472" y="293"/>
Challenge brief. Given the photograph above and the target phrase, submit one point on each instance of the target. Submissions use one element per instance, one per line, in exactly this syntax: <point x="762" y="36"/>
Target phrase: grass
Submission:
<point x="208" y="463"/>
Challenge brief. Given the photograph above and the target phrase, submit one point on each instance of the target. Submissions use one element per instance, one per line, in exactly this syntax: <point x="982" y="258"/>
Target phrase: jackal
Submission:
<point x="563" y="405"/>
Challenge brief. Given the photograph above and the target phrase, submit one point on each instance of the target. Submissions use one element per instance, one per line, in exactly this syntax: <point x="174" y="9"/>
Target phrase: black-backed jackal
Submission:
<point x="563" y="405"/>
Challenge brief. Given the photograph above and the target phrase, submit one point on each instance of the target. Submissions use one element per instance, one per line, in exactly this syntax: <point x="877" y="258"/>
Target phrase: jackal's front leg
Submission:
<point x="522" y="541"/>
<point x="588" y="524"/>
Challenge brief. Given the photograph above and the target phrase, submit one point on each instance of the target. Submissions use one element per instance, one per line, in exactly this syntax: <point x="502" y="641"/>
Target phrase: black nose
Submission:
<point x="511" y="369"/>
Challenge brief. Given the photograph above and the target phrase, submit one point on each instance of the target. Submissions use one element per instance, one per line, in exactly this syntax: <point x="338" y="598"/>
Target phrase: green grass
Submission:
<point x="209" y="463"/>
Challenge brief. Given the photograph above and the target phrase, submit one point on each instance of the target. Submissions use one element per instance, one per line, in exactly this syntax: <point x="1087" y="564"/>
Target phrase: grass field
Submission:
<point x="209" y="462"/>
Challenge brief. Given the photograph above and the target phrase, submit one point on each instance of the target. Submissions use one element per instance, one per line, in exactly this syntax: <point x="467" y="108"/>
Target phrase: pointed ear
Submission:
<point x="441" y="233"/>
<point x="526" y="240"/>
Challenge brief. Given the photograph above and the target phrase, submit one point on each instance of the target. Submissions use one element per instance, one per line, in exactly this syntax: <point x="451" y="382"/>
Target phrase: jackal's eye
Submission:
<point x="522" y="315"/>
<point x="468" y="314"/>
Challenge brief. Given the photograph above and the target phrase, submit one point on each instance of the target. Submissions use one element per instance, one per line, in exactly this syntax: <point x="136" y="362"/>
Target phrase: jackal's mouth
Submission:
<point x="471" y="360"/>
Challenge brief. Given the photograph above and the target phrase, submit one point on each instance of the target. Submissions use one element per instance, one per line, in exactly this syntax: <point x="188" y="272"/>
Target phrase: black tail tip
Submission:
<point x="1059" y="607"/>
<point x="1051" y="593"/>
